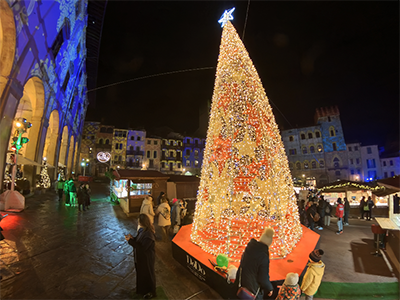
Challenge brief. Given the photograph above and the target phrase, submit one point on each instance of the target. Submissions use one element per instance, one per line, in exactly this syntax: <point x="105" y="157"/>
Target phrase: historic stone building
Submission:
<point x="192" y="158"/>
<point x="135" y="149"/>
<point x="171" y="156"/>
<point x="318" y="151"/>
<point x="118" y="148"/>
<point x="43" y="71"/>
<point x="152" y="153"/>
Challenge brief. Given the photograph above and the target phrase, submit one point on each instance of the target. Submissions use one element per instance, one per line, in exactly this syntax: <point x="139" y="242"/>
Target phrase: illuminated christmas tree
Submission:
<point x="44" y="177"/>
<point x="245" y="182"/>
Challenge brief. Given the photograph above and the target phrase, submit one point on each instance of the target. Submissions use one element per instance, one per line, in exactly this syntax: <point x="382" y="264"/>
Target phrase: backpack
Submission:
<point x="327" y="209"/>
<point x="316" y="217"/>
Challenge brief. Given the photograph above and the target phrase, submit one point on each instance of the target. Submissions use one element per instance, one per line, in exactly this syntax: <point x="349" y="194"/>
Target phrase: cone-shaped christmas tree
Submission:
<point x="245" y="182"/>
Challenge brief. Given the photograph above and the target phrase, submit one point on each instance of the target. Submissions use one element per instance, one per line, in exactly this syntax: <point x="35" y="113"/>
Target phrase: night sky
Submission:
<point x="308" y="54"/>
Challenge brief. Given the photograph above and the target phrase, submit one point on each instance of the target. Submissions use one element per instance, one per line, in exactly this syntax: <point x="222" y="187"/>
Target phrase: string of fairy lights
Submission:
<point x="245" y="181"/>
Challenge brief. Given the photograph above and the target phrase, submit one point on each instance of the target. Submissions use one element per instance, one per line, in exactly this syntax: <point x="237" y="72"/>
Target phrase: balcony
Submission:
<point x="134" y="152"/>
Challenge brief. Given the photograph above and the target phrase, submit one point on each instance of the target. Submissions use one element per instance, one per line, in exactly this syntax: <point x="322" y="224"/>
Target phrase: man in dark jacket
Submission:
<point x="346" y="211"/>
<point x="253" y="272"/>
<point x="311" y="212"/>
<point x="321" y="211"/>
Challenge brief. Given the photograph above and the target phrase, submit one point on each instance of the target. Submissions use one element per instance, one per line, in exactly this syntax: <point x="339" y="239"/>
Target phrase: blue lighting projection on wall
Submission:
<point x="47" y="81"/>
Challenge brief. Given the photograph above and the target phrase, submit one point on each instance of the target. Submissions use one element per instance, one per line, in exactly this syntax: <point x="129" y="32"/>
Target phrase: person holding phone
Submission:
<point x="144" y="250"/>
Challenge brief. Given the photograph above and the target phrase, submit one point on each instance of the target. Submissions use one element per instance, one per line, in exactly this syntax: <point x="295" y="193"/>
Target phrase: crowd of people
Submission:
<point x="74" y="197"/>
<point x="316" y="212"/>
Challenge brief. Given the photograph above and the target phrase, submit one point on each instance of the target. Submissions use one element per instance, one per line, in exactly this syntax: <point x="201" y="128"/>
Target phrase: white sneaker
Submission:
<point x="346" y="224"/>
<point x="320" y="228"/>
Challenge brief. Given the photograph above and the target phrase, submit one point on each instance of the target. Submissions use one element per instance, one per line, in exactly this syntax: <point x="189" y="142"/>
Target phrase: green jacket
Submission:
<point x="60" y="185"/>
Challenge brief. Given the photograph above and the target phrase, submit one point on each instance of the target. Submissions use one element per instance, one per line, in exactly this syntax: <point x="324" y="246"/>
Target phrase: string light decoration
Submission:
<point x="245" y="181"/>
<point x="44" y="177"/>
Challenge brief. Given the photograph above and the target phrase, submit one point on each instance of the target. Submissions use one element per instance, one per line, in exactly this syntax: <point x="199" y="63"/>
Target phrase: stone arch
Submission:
<point x="75" y="158"/>
<point x="63" y="146"/>
<point x="71" y="154"/>
<point x="7" y="43"/>
<point x="51" y="136"/>
<point x="31" y="107"/>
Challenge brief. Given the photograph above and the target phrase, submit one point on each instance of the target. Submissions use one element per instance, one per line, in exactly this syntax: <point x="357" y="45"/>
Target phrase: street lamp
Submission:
<point x="83" y="164"/>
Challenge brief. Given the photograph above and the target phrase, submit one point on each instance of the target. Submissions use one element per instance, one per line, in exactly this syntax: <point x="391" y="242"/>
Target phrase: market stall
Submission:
<point x="130" y="187"/>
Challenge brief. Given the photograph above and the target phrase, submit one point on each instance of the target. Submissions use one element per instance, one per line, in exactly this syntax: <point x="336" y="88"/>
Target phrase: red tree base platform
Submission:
<point x="197" y="261"/>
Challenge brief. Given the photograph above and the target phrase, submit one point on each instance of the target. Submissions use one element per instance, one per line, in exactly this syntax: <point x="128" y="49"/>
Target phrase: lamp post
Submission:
<point x="83" y="164"/>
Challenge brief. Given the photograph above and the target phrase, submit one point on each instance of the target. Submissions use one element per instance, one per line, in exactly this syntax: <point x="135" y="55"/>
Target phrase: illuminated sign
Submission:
<point x="103" y="157"/>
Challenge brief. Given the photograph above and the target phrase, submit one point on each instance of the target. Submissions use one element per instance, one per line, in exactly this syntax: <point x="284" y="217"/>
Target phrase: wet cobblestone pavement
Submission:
<point x="52" y="251"/>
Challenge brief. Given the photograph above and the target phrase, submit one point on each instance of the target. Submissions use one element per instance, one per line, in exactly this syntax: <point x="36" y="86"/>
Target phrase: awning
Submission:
<point x="21" y="160"/>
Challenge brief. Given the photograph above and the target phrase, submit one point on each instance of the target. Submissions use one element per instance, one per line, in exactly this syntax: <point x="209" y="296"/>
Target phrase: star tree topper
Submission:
<point x="227" y="16"/>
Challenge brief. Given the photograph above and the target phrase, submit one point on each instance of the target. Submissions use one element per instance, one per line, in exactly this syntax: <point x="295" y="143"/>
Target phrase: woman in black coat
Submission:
<point x="144" y="249"/>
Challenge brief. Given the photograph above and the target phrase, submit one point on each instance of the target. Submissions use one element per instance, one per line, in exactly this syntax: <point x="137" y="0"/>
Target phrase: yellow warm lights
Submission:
<point x="245" y="181"/>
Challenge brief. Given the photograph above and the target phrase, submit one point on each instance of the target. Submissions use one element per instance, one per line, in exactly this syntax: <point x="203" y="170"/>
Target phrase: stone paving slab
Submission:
<point x="56" y="252"/>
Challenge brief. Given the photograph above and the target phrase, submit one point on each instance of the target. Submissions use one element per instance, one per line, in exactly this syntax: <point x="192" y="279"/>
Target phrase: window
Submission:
<point x="132" y="138"/>
<point x="163" y="165"/>
<point x="196" y="152"/>
<point x="116" y="157"/>
<point x="313" y="164"/>
<point x="334" y="147"/>
<point x="329" y="119"/>
<point x="138" y="138"/>
<point x="351" y="161"/>
<point x="101" y="141"/>
<point x="312" y="149"/>
<point x="298" y="166"/>
<point x="61" y="37"/>
<point x="317" y="134"/>
<point x="196" y="142"/>
<point x="357" y="161"/>
<point x="385" y="175"/>
<point x="372" y="175"/>
<point x="306" y="165"/>
<point x="332" y="132"/>
<point x="130" y="148"/>
<point x="179" y="144"/>
<point x="291" y="138"/>
<point x="188" y="163"/>
<point x="103" y="129"/>
<point x="154" y="154"/>
<point x="107" y="142"/>
<point x="120" y="158"/>
<point x="137" y="148"/>
<point x="187" y="151"/>
<point x="350" y="149"/>
<point x="303" y="136"/>
<point x="336" y="162"/>
<point x="337" y="173"/>
<point x="321" y="163"/>
<point x="369" y="151"/>
<point x="66" y="80"/>
<point x="148" y="154"/>
<point x="384" y="163"/>
<point x="171" y="154"/>
<point x="355" y="148"/>
<point x="310" y="135"/>
<point x="319" y="147"/>
<point x="352" y="172"/>
<point x="77" y="8"/>
<point x="155" y="143"/>
<point x="120" y="146"/>
<point x="391" y="162"/>
<point x="116" y="146"/>
<point x="179" y="165"/>
<point x="148" y="142"/>
<point x="371" y="163"/>
<point x="292" y="151"/>
<point x="196" y="163"/>
<point x="392" y="174"/>
<point x="304" y="150"/>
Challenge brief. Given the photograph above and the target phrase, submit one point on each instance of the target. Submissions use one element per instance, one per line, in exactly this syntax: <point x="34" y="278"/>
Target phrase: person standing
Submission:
<point x="88" y="190"/>
<point x="66" y="192"/>
<point x="147" y="208"/>
<point x="159" y="199"/>
<point x="82" y="197"/>
<point x="321" y="211"/>
<point x="311" y="214"/>
<point x="346" y="211"/>
<point x="72" y="192"/>
<point x="339" y="214"/>
<point x="164" y="217"/>
<point x="369" y="204"/>
<point x="290" y="289"/>
<point x="395" y="204"/>
<point x="176" y="214"/>
<point x="328" y="213"/>
<point x="145" y="257"/>
<point x="253" y="271"/>
<point x="313" y="276"/>
<point x="60" y="189"/>
<point x="362" y="204"/>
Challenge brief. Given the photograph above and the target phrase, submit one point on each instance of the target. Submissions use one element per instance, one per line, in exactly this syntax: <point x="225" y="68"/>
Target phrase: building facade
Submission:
<point x="135" y="149"/>
<point x="371" y="166"/>
<point x="193" y="149"/>
<point x="355" y="162"/>
<point x="43" y="80"/>
<point x="171" y="156"/>
<point x="118" y="148"/>
<point x="152" y="153"/>
<point x="390" y="166"/>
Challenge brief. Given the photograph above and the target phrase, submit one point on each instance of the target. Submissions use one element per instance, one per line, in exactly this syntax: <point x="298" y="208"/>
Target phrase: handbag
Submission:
<point x="366" y="207"/>
<point x="244" y="293"/>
